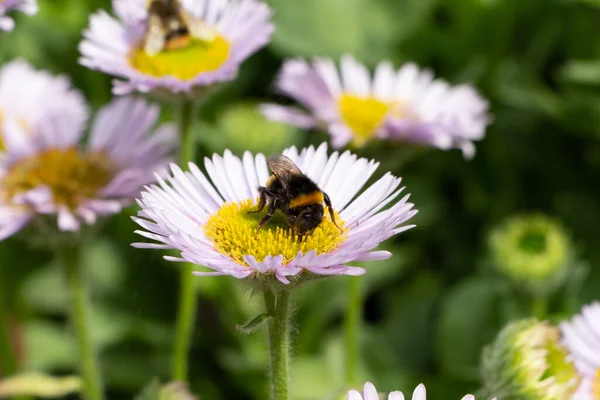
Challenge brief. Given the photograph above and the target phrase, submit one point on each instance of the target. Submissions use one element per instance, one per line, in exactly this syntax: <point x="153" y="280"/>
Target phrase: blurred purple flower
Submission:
<point x="581" y="336"/>
<point x="27" y="97"/>
<point x="49" y="173"/>
<point x="407" y="105"/>
<point x="29" y="7"/>
<point x="209" y="222"/>
<point x="233" y="30"/>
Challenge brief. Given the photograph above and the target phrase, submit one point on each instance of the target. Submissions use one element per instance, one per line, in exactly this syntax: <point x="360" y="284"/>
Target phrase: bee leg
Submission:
<point x="330" y="208"/>
<point x="270" y="213"/>
<point x="265" y="194"/>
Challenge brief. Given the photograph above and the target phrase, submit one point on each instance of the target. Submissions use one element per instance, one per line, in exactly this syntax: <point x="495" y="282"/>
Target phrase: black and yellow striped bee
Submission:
<point x="170" y="27"/>
<point x="295" y="194"/>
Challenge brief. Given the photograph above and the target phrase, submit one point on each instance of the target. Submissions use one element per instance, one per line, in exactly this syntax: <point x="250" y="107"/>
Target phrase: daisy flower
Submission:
<point x="370" y="393"/>
<point x="29" y="7"/>
<point x="51" y="174"/>
<point x="405" y="105"/>
<point x="581" y="336"/>
<point x="28" y="96"/>
<point x="209" y="223"/>
<point x="220" y="35"/>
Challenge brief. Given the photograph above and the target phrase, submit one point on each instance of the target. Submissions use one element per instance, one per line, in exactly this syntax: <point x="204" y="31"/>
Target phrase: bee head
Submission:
<point x="309" y="218"/>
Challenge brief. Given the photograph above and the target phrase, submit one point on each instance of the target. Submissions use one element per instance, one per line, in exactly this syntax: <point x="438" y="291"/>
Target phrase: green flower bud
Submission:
<point x="533" y="251"/>
<point x="527" y="361"/>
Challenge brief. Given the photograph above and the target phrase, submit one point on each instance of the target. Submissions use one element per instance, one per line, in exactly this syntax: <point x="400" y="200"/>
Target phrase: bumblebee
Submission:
<point x="295" y="194"/>
<point x="170" y="27"/>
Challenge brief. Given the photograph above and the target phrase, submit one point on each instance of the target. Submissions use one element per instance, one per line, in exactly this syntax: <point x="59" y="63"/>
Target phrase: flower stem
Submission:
<point x="187" y="293"/>
<point x="352" y="326"/>
<point x="278" y="305"/>
<point x="80" y="319"/>
<point x="539" y="307"/>
<point x="8" y="358"/>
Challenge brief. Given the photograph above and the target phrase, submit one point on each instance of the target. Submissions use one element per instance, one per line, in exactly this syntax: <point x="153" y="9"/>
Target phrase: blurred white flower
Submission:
<point x="405" y="105"/>
<point x="28" y="96"/>
<point x="370" y="393"/>
<point x="581" y="336"/>
<point x="49" y="173"/>
<point x="29" y="7"/>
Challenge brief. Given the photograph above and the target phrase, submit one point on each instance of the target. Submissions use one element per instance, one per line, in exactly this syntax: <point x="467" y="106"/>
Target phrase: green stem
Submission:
<point x="186" y="313"/>
<point x="352" y="326"/>
<point x="80" y="319"/>
<point x="539" y="307"/>
<point x="8" y="358"/>
<point x="278" y="305"/>
<point x="188" y="140"/>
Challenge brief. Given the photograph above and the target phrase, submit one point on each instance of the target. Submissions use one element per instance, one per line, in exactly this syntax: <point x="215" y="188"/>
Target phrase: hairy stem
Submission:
<point x="278" y="305"/>
<point x="352" y="326"/>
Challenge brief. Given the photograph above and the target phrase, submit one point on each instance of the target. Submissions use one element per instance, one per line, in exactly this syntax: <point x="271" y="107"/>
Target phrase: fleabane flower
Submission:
<point x="27" y="97"/>
<point x="135" y="46"/>
<point x="28" y="7"/>
<point x="527" y="361"/>
<point x="581" y="336"/>
<point x="370" y="393"/>
<point x="210" y="224"/>
<point x="406" y="105"/>
<point x="51" y="174"/>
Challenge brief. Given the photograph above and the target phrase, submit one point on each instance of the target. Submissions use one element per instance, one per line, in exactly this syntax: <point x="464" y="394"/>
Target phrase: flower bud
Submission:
<point x="527" y="361"/>
<point x="532" y="251"/>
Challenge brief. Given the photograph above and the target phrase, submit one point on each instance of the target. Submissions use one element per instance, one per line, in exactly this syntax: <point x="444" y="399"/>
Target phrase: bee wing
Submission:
<point x="154" y="42"/>
<point x="281" y="166"/>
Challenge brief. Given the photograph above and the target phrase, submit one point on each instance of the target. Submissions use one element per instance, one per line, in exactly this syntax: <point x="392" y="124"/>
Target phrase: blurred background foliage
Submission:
<point x="429" y="308"/>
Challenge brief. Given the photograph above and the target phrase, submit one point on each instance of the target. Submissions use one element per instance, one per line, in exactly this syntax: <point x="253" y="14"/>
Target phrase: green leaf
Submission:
<point x="582" y="71"/>
<point x="40" y="385"/>
<point x="468" y="321"/>
<point x="49" y="346"/>
<point x="368" y="29"/>
<point x="242" y="127"/>
<point x="255" y="323"/>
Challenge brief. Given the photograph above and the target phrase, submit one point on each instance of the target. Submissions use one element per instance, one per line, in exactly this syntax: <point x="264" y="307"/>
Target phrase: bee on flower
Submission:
<point x="174" y="46"/>
<point x="208" y="217"/>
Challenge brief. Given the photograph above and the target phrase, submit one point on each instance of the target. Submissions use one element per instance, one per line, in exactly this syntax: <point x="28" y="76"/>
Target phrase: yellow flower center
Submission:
<point x="363" y="115"/>
<point x="233" y="231"/>
<point x="70" y="175"/>
<point x="596" y="385"/>
<point x="185" y="63"/>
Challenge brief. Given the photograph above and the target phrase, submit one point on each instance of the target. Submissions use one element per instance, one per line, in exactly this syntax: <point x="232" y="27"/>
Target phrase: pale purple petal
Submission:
<point x="108" y="41"/>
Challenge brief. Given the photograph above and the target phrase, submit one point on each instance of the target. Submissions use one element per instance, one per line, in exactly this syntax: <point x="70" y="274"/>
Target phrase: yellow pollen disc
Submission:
<point x="233" y="232"/>
<point x="69" y="174"/>
<point x="596" y="385"/>
<point x="363" y="115"/>
<point x="185" y="63"/>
